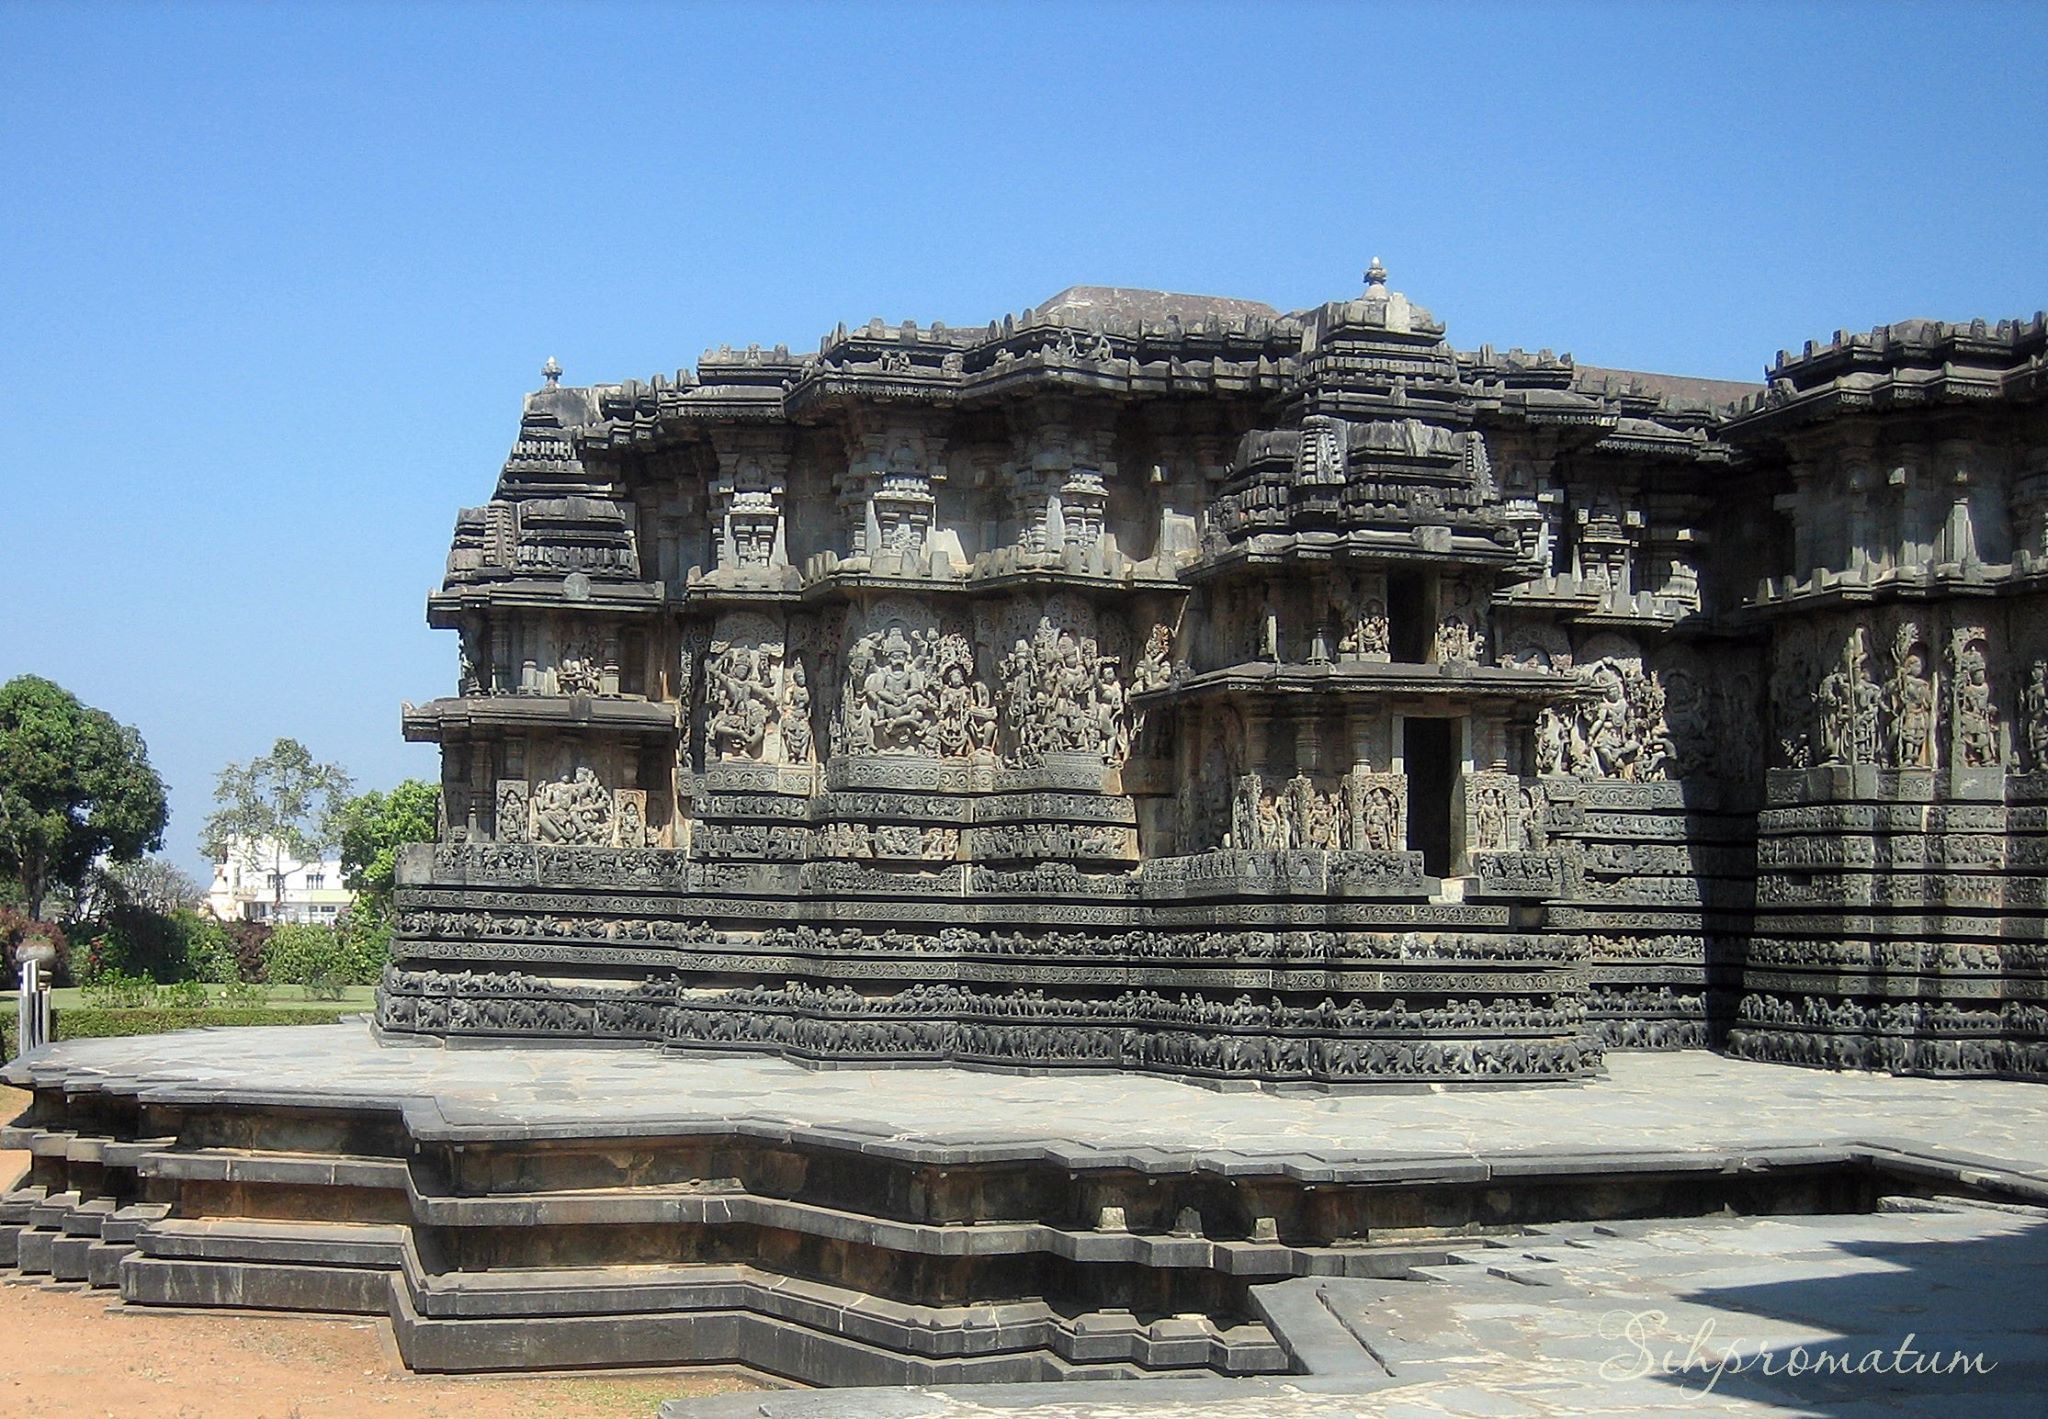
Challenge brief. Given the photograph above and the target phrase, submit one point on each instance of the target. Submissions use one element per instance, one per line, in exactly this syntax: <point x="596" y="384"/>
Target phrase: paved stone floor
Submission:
<point x="1647" y="1101"/>
<point x="1670" y="1317"/>
<point x="1938" y="1311"/>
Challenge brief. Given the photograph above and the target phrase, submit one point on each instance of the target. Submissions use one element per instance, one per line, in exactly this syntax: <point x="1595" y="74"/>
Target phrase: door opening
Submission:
<point x="1429" y="751"/>
<point x="1409" y="626"/>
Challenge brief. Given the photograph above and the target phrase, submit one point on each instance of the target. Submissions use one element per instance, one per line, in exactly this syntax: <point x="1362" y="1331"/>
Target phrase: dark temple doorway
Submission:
<point x="1409" y="622"/>
<point x="1430" y="751"/>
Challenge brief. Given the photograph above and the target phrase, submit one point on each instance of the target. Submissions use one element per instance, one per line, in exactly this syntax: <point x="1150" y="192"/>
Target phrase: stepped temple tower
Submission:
<point x="1166" y="683"/>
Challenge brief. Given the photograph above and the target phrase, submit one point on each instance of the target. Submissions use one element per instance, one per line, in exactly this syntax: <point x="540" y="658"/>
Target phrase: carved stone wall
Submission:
<point x="1158" y="682"/>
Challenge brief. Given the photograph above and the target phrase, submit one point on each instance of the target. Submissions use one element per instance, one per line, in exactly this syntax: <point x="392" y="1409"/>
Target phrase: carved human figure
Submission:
<point x="512" y="812"/>
<point x="1457" y="643"/>
<point x="1381" y="816"/>
<point x="981" y="721"/>
<point x="1368" y="637"/>
<point x="898" y="695"/>
<point x="1609" y="743"/>
<point x="573" y="810"/>
<point x="1067" y="682"/>
<point x="1112" y="730"/>
<point x="741" y="701"/>
<point x="1322" y="821"/>
<point x="1976" y="723"/>
<point x="1244" y="813"/>
<point x="1792" y="705"/>
<point x="795" y="721"/>
<point x="1490" y="822"/>
<point x="1655" y="757"/>
<point x="1553" y="742"/>
<point x="2036" y="708"/>
<point x="576" y="675"/>
<point x="1833" y="701"/>
<point x="1154" y="669"/>
<point x="1275" y="831"/>
<point x="632" y="825"/>
<point x="1909" y="707"/>
<point x="954" y="734"/>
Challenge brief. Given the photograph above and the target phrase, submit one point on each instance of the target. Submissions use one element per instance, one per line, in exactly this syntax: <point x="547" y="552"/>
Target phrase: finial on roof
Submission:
<point x="551" y="372"/>
<point x="1375" y="275"/>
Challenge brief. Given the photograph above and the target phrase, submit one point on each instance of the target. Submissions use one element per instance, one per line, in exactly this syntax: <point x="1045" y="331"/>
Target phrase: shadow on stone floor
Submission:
<point x="1931" y="1327"/>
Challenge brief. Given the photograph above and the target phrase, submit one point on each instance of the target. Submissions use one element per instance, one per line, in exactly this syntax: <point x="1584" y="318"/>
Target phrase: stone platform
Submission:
<point x="515" y="1208"/>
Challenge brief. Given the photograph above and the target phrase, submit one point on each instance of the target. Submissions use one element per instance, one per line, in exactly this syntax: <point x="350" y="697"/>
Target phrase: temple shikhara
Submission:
<point x="1169" y="683"/>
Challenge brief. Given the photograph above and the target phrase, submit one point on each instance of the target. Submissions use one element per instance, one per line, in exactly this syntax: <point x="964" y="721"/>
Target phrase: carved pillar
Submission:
<point x="1489" y="740"/>
<point x="1308" y="743"/>
<point x="1258" y="723"/>
<point x="479" y="789"/>
<point x="1361" y="727"/>
<point x="1794" y="506"/>
<point x="501" y="681"/>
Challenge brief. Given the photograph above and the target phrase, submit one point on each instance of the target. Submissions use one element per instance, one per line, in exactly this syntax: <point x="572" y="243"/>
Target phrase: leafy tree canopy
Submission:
<point x="75" y="786"/>
<point x="374" y="826"/>
<point x="282" y="803"/>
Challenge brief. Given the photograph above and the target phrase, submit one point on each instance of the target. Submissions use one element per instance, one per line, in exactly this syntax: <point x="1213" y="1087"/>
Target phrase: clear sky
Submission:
<point x="273" y="278"/>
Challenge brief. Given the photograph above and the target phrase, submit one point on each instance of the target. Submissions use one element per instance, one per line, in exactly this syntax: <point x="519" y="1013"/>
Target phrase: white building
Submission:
<point x="254" y="883"/>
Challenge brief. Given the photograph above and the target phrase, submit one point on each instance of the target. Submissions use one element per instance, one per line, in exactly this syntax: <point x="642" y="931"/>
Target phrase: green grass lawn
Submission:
<point x="276" y="997"/>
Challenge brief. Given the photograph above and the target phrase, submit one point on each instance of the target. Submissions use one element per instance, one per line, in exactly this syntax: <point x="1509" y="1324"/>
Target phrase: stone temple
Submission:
<point x="1165" y="683"/>
<point x="1149" y="690"/>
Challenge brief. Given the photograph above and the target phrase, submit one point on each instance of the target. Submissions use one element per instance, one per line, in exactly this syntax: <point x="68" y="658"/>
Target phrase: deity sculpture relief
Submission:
<point x="1975" y="717"/>
<point x="1847" y="703"/>
<point x="1553" y="741"/>
<point x="1244" y="813"/>
<point x="1503" y="814"/>
<point x="1908" y="703"/>
<point x="2035" y="705"/>
<point x="1062" y="696"/>
<point x="913" y="693"/>
<point x="1792" y="705"/>
<point x="1377" y="811"/>
<point x="629" y="828"/>
<point x="576" y="673"/>
<point x="1620" y="732"/>
<point x="1368" y="635"/>
<point x="740" y="701"/>
<point x="1611" y="748"/>
<point x="966" y="716"/>
<point x="794" y="721"/>
<point x="513" y="810"/>
<point x="573" y="811"/>
<point x="1489" y="821"/>
<point x="1154" y="670"/>
<point x="1457" y="643"/>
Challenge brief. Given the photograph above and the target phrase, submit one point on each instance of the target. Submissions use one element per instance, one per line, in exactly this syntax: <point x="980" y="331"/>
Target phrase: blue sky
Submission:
<point x="272" y="279"/>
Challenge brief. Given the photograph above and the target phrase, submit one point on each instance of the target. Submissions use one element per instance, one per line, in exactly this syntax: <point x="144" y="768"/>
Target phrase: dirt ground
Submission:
<point x="73" y="1353"/>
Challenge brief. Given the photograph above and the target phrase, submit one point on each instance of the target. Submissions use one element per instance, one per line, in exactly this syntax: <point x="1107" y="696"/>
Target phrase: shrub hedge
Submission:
<point x="85" y="1022"/>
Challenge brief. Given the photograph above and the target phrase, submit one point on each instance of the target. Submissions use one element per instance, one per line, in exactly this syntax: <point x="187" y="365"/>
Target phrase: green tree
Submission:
<point x="75" y="786"/>
<point x="154" y="882"/>
<point x="374" y="826"/>
<point x="316" y="957"/>
<point x="282" y="808"/>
